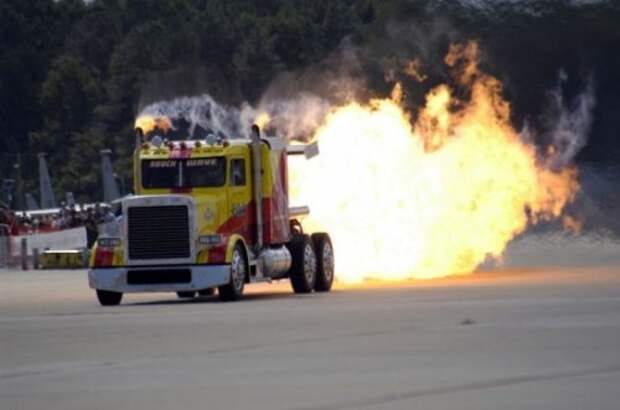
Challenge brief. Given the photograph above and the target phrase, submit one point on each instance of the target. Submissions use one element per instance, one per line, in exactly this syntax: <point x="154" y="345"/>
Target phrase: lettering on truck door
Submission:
<point x="240" y="196"/>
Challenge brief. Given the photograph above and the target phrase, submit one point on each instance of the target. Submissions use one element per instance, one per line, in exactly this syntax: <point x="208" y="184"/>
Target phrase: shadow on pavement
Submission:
<point x="215" y="299"/>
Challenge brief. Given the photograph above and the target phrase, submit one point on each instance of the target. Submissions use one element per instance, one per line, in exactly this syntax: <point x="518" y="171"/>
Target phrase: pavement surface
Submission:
<point x="546" y="338"/>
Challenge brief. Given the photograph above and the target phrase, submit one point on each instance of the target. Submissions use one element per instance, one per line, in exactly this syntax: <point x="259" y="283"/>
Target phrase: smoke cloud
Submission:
<point x="295" y="103"/>
<point x="570" y="122"/>
<point x="199" y="111"/>
<point x="295" y="118"/>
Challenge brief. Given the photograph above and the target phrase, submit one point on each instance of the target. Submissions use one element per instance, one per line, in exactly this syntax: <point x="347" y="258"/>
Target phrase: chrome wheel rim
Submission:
<point x="328" y="262"/>
<point x="309" y="264"/>
<point x="237" y="271"/>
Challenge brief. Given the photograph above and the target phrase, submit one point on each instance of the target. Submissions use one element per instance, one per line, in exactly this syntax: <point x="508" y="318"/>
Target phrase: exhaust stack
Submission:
<point x="137" y="182"/>
<point x="257" y="172"/>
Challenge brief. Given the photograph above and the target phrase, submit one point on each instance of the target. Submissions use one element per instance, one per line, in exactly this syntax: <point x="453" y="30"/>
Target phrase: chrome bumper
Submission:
<point x="202" y="277"/>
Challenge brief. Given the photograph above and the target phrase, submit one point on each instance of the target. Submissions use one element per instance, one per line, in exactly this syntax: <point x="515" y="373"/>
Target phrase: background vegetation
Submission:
<point x="74" y="75"/>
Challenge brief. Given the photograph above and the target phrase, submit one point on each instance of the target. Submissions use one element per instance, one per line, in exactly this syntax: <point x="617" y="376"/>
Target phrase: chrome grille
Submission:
<point x="158" y="232"/>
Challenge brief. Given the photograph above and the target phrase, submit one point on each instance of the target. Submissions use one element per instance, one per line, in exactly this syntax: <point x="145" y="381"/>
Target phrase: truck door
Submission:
<point x="240" y="196"/>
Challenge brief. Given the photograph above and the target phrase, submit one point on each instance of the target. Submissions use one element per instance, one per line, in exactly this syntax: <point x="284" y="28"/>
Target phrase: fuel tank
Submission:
<point x="276" y="261"/>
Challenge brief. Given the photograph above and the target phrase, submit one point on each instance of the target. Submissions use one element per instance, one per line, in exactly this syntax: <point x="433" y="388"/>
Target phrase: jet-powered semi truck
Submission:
<point x="210" y="214"/>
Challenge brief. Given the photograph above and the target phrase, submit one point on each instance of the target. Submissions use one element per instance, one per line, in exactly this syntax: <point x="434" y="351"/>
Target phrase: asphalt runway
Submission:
<point x="515" y="339"/>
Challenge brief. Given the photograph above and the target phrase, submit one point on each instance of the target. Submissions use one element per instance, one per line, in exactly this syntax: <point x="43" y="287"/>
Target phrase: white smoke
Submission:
<point x="295" y="118"/>
<point x="201" y="111"/>
<point x="570" y="122"/>
<point x="296" y="103"/>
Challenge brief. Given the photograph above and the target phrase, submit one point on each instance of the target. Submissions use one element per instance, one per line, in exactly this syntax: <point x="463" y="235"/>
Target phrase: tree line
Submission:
<point x="73" y="74"/>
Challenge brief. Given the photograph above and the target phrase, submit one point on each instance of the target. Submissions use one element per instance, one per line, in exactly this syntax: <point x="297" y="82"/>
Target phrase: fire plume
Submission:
<point x="262" y="120"/>
<point x="150" y="123"/>
<point x="433" y="197"/>
<point x="412" y="69"/>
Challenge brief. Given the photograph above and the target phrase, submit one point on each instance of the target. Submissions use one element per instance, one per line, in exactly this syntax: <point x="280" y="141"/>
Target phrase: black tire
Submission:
<point x="108" y="298"/>
<point x="207" y="292"/>
<point x="325" y="262"/>
<point x="238" y="274"/>
<point x="303" y="268"/>
<point x="186" y="294"/>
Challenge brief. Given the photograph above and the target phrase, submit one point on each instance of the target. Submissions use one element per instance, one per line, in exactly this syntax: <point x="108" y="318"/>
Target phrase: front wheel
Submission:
<point x="303" y="269"/>
<point x="325" y="262"/>
<point x="108" y="298"/>
<point x="238" y="270"/>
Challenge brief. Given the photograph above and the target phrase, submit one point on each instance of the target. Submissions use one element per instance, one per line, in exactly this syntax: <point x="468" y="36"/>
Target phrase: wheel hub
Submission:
<point x="309" y="263"/>
<point x="328" y="261"/>
<point x="237" y="271"/>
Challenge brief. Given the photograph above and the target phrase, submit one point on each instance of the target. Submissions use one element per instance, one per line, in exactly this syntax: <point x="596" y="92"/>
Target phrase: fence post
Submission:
<point x="35" y="258"/>
<point x="4" y="251"/>
<point x="85" y="257"/>
<point x="24" y="253"/>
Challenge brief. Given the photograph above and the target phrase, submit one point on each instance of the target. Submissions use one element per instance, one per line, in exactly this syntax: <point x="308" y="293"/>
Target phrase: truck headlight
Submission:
<point x="210" y="240"/>
<point x="108" y="242"/>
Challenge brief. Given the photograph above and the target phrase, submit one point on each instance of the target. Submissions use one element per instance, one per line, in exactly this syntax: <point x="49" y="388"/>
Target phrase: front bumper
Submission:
<point x="116" y="279"/>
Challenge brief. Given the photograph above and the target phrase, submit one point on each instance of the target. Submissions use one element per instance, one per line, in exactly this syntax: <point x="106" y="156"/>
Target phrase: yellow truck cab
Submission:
<point x="209" y="214"/>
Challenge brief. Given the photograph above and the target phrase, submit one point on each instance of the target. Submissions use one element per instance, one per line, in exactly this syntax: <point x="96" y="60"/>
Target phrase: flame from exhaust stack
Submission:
<point x="149" y="123"/>
<point x="431" y="199"/>
<point x="262" y="120"/>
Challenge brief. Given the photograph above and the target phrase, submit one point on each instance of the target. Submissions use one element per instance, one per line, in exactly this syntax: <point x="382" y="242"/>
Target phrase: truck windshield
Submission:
<point x="184" y="173"/>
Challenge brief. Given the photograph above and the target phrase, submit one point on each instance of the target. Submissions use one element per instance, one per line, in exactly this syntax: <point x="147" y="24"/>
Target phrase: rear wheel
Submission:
<point x="325" y="262"/>
<point x="108" y="298"/>
<point x="238" y="271"/>
<point x="188" y="294"/>
<point x="303" y="269"/>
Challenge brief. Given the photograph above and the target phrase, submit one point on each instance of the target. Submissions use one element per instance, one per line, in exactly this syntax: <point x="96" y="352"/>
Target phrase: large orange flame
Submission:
<point x="431" y="199"/>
